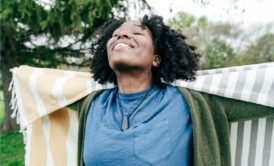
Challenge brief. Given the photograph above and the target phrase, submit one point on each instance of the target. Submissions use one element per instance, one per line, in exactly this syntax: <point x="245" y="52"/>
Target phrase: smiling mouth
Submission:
<point x="122" y="45"/>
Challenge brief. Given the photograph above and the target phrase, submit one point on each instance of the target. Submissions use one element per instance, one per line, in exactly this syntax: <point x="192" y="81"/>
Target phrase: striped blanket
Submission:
<point x="40" y="97"/>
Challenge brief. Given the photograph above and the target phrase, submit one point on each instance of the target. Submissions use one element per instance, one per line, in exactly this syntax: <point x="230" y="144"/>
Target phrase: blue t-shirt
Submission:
<point x="159" y="133"/>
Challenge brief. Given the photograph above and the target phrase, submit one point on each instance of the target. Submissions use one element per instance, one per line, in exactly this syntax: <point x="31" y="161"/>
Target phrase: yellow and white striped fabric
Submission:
<point x="50" y="129"/>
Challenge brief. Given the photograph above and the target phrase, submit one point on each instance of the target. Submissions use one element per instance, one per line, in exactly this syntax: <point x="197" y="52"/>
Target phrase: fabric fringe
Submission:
<point x="16" y="107"/>
<point x="13" y="102"/>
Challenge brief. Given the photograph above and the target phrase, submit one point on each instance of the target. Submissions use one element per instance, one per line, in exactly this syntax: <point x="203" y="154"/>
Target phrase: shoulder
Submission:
<point x="104" y="94"/>
<point x="171" y="90"/>
<point x="172" y="93"/>
<point x="98" y="94"/>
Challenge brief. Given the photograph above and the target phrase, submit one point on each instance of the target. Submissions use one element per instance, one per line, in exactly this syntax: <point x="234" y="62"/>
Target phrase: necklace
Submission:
<point x="125" y="120"/>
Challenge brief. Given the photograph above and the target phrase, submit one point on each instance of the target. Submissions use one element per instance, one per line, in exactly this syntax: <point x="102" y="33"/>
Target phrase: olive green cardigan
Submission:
<point x="210" y="115"/>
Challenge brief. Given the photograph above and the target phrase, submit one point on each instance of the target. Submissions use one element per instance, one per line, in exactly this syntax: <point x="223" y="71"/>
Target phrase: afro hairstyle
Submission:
<point x="178" y="59"/>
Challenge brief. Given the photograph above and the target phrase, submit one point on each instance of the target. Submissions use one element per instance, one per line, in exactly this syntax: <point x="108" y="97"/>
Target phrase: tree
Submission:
<point x="213" y="40"/>
<point x="48" y="34"/>
<point x="261" y="50"/>
<point x="225" y="44"/>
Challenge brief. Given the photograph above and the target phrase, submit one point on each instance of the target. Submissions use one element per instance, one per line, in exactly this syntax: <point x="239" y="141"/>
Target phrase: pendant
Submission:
<point x="125" y="123"/>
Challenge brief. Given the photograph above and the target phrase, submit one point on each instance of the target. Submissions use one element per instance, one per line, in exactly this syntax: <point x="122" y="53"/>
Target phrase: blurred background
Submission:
<point x="58" y="33"/>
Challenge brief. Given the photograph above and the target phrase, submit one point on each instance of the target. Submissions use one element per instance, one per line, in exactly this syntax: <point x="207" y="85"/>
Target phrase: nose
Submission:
<point x="123" y="35"/>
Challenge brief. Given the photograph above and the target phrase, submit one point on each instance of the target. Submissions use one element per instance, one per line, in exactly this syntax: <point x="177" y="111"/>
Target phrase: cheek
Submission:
<point x="152" y="48"/>
<point x="149" y="45"/>
<point x="109" y="43"/>
<point x="149" y="48"/>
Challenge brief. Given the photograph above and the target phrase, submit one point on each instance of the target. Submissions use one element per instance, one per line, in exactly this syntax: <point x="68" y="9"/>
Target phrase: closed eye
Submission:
<point x="137" y="33"/>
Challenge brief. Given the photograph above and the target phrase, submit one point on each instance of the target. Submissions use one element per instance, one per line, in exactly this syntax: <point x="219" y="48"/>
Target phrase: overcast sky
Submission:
<point x="247" y="12"/>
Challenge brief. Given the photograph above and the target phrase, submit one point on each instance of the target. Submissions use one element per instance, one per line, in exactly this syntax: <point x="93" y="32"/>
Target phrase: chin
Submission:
<point x="124" y="67"/>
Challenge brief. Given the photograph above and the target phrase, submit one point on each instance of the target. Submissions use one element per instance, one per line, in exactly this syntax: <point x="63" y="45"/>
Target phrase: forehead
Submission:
<point x="132" y="24"/>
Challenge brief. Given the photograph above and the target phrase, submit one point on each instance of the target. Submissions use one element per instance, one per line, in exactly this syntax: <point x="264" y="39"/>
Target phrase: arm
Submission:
<point x="211" y="115"/>
<point x="232" y="109"/>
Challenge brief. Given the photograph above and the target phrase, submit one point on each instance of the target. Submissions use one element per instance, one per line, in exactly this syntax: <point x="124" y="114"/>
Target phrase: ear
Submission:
<point x="156" y="61"/>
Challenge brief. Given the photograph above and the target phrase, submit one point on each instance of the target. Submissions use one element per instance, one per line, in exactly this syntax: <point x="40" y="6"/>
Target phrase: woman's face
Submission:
<point x="131" y="48"/>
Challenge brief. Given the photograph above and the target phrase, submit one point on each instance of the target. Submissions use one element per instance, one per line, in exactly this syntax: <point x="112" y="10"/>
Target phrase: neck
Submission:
<point x="133" y="82"/>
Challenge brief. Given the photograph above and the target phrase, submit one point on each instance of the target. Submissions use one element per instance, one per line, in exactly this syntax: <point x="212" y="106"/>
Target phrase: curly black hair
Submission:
<point x="178" y="59"/>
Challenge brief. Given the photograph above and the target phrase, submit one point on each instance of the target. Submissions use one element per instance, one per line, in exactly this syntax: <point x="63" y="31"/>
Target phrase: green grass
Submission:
<point x="11" y="143"/>
<point x="11" y="149"/>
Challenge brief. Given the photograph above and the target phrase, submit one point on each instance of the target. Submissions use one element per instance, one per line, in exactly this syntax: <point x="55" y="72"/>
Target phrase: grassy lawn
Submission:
<point x="12" y="149"/>
<point x="11" y="143"/>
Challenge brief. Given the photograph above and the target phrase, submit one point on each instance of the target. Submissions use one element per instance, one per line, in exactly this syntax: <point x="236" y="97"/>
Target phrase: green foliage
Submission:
<point x="25" y="23"/>
<point x="49" y="35"/>
<point x="177" y="23"/>
<point x="220" y="54"/>
<point x="261" y="50"/>
<point x="219" y="42"/>
<point x="12" y="149"/>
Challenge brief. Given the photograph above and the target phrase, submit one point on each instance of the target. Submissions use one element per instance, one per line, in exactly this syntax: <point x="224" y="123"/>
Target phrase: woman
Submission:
<point x="145" y="121"/>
